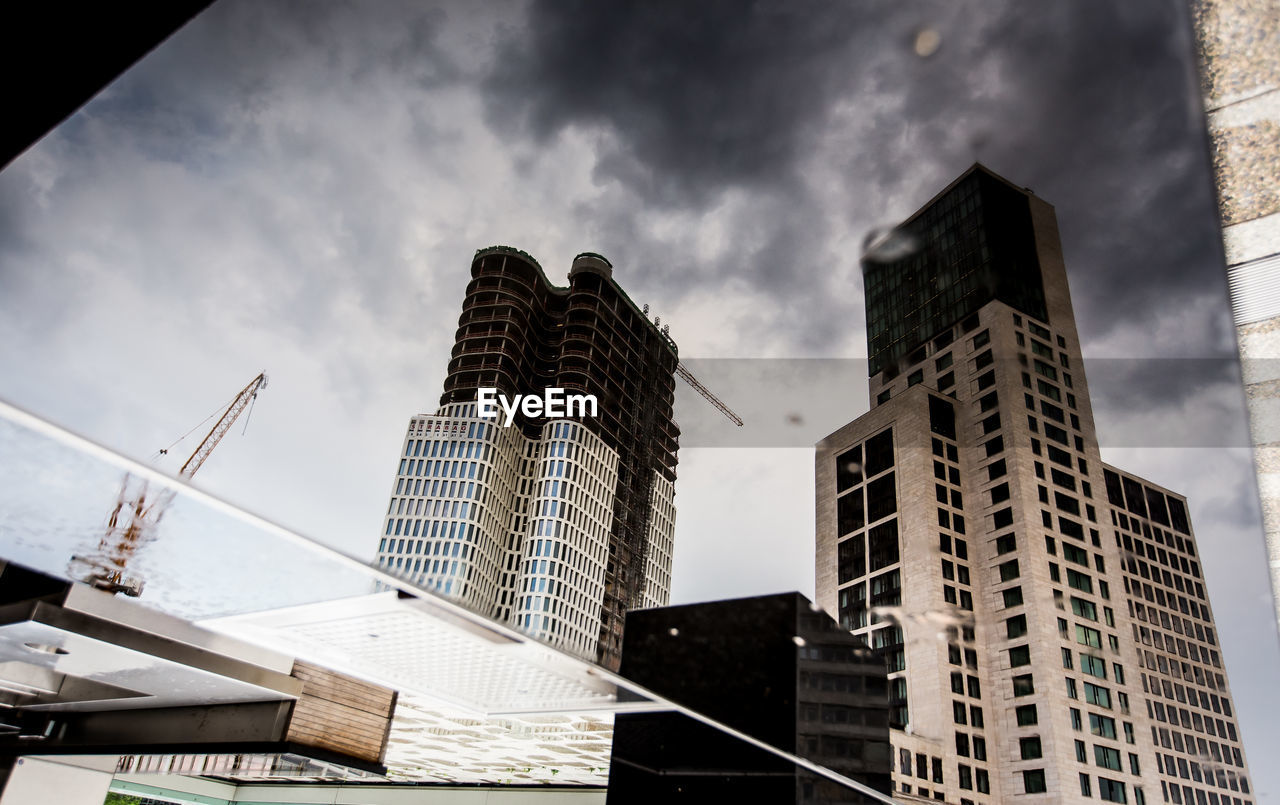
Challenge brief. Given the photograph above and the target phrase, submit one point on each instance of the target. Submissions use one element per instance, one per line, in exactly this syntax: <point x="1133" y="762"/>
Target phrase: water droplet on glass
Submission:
<point x="888" y="244"/>
<point x="927" y="42"/>
<point x="798" y="640"/>
<point x="673" y="631"/>
<point x="794" y="419"/>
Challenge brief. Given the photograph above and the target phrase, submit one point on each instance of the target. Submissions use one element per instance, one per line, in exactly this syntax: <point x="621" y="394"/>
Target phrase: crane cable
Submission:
<point x="164" y="451"/>
<point x="249" y="414"/>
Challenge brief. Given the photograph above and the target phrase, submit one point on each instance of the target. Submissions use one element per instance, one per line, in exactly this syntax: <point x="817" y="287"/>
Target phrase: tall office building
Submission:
<point x="554" y="526"/>
<point x="1046" y="625"/>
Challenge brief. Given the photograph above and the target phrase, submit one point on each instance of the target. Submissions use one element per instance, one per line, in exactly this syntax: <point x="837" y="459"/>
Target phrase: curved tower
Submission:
<point x="559" y="525"/>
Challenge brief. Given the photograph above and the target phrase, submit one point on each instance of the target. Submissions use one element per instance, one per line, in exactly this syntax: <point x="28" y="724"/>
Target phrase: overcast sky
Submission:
<point x="300" y="187"/>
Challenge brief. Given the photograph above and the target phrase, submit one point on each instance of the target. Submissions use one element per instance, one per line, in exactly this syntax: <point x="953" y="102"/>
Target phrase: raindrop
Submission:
<point x="673" y="631"/>
<point x="794" y="418"/>
<point x="927" y="42"/>
<point x="798" y="640"/>
<point x="888" y="245"/>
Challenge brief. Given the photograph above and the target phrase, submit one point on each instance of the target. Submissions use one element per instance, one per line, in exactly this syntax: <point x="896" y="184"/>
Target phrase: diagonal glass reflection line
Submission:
<point x="39" y="424"/>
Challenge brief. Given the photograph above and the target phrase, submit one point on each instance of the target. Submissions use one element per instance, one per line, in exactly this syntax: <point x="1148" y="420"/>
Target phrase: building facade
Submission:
<point x="556" y="526"/>
<point x="1045" y="624"/>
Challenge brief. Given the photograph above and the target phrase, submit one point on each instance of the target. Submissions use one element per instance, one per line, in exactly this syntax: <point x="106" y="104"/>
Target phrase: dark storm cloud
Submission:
<point x="701" y="94"/>
<point x="1168" y="402"/>
<point x="1111" y="132"/>
<point x="1093" y="105"/>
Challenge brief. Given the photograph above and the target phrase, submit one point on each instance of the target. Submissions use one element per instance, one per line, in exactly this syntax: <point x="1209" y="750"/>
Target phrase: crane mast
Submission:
<point x="133" y="521"/>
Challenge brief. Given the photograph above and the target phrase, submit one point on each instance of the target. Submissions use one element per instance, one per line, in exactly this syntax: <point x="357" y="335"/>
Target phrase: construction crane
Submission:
<point x="688" y="377"/>
<point x="133" y="521"/>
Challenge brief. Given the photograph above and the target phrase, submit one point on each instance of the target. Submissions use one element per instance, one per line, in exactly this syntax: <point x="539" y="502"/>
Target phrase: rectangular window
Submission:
<point x="1093" y="666"/>
<point x="1079" y="581"/>
<point x="879" y="449"/>
<point x="1103" y="726"/>
<point x="1067" y="659"/>
<point x="1085" y="790"/>
<point x="1006" y="543"/>
<point x="1111" y="790"/>
<point x="1077" y="555"/>
<point x="1026" y="715"/>
<point x="1083" y="608"/>
<point x="1029" y="748"/>
<point x="1106" y="757"/>
<point x="1012" y="597"/>
<point x="1066" y="503"/>
<point x="1023" y="685"/>
<point x="1045" y="370"/>
<point x="1033" y="781"/>
<point x="1015" y="626"/>
<point x="1019" y="656"/>
<point x="1009" y="570"/>
<point x="1088" y="636"/>
<point x="1048" y="390"/>
<point x="882" y="498"/>
<point x="1096" y="695"/>
<point x="849" y="469"/>
<point x="1059" y="456"/>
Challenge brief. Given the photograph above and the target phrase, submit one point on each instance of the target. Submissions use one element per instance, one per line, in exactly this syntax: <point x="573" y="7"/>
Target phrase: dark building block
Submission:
<point x="772" y="667"/>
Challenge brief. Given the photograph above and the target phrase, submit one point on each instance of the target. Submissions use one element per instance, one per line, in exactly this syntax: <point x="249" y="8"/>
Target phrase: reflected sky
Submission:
<point x="300" y="187"/>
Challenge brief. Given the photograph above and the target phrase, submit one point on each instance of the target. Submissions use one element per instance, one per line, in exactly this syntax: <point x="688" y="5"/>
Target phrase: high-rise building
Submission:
<point x="556" y="526"/>
<point x="1044" y="617"/>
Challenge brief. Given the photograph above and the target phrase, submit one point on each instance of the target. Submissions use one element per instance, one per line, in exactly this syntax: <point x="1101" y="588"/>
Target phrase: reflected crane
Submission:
<point x="134" y="519"/>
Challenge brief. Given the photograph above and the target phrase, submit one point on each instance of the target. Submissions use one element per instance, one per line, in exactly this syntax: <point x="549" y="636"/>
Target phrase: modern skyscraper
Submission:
<point x="556" y="526"/>
<point x="1046" y="625"/>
